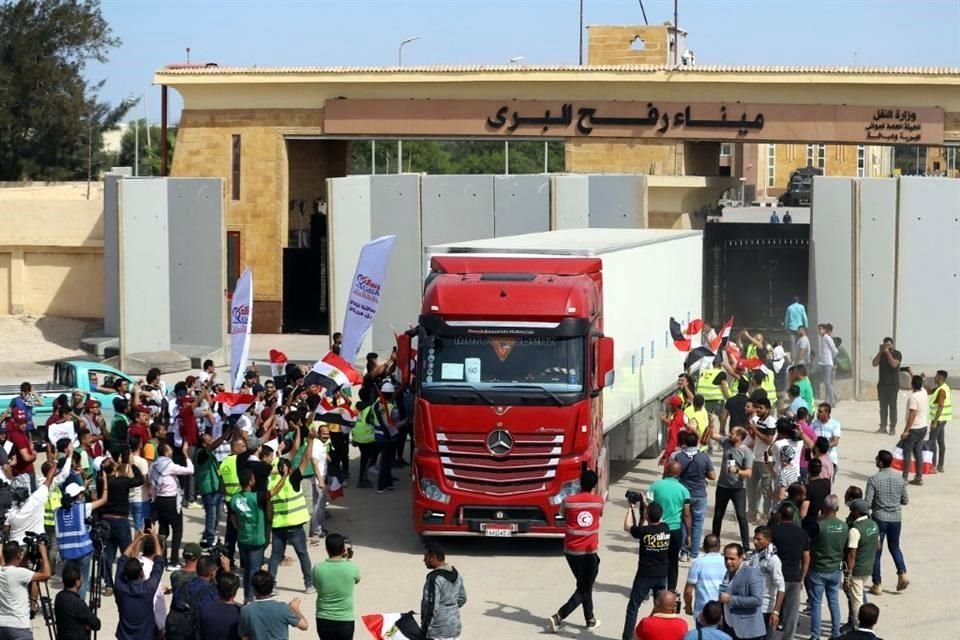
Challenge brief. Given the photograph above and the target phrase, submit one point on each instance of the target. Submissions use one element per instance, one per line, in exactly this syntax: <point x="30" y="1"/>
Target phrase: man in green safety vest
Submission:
<point x="941" y="412"/>
<point x="863" y="543"/>
<point x="290" y="512"/>
<point x="231" y="487"/>
<point x="250" y="511"/>
<point x="712" y="385"/>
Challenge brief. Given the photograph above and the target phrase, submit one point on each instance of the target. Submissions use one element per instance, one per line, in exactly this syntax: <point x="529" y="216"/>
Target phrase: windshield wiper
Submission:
<point x="466" y="387"/>
<point x="538" y="387"/>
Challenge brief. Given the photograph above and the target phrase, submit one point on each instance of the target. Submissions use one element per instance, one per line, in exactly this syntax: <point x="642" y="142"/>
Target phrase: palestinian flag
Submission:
<point x="238" y="402"/>
<point x="335" y="490"/>
<point x="332" y="372"/>
<point x="391" y="626"/>
<point x="278" y="360"/>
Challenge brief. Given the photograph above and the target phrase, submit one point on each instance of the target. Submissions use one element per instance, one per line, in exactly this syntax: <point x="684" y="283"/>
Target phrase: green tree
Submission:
<point x="51" y="120"/>
<point x="445" y="157"/>
<point x="149" y="157"/>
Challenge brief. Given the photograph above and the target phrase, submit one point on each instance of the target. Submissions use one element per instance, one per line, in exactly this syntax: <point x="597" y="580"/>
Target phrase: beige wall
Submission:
<point x="51" y="251"/>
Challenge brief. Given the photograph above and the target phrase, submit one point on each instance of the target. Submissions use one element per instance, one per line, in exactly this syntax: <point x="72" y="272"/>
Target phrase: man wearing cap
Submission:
<point x="386" y="432"/>
<point x="25" y="455"/>
<point x="180" y="577"/>
<point x="863" y="541"/>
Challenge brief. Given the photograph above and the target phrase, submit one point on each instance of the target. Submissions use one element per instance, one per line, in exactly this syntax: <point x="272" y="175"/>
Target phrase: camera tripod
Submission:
<point x="96" y="582"/>
<point x="46" y="603"/>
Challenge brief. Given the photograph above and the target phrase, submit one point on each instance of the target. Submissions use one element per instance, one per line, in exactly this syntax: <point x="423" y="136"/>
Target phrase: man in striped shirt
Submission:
<point x="581" y="512"/>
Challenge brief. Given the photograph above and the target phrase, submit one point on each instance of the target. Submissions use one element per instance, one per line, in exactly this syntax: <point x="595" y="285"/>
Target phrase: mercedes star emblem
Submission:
<point x="500" y="442"/>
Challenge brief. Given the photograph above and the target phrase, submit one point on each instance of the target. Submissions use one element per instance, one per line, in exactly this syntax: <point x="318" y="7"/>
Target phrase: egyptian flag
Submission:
<point x="331" y="413"/>
<point x="695" y="358"/>
<point x="238" y="402"/>
<point x="753" y="363"/>
<point x="332" y="372"/>
<point x="680" y="340"/>
<point x="720" y="342"/>
<point x="335" y="490"/>
<point x="278" y="360"/>
<point x="391" y="626"/>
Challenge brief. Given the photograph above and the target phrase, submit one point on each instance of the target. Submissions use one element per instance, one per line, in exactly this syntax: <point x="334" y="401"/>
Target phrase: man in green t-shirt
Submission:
<point x="335" y="580"/>
<point x="670" y="494"/>
<point x="827" y="550"/>
<point x="803" y="383"/>
<point x="249" y="511"/>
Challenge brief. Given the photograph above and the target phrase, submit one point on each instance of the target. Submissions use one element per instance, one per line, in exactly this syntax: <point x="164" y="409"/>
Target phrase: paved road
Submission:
<point x="512" y="585"/>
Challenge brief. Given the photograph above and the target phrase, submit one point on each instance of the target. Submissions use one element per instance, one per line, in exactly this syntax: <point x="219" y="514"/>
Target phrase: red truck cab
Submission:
<point x="509" y="369"/>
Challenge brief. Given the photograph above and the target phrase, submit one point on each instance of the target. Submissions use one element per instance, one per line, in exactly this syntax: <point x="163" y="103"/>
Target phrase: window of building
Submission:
<point x="861" y="161"/>
<point x="725" y="149"/>
<point x="817" y="156"/>
<point x="235" y="168"/>
<point x="771" y="165"/>
<point x="233" y="258"/>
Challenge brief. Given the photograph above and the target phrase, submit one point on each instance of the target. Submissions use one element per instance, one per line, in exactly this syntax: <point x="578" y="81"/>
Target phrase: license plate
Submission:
<point x="498" y="530"/>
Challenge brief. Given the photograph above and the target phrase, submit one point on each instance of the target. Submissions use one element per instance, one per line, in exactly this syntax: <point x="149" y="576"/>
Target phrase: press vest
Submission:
<point x="289" y="506"/>
<point x="707" y="386"/>
<point x="363" y="431"/>
<point x="50" y="506"/>
<point x="231" y="479"/>
<point x="946" y="413"/>
<point x="582" y="515"/>
<point x="73" y="540"/>
<point x="250" y="518"/>
<point x="867" y="549"/>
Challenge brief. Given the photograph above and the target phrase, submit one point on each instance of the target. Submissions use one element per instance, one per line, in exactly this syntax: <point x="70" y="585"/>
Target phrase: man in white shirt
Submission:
<point x="26" y="516"/>
<point x="801" y="354"/>
<point x="763" y="430"/>
<point x="319" y="450"/>
<point x="826" y="426"/>
<point x="14" y="591"/>
<point x="826" y="352"/>
<point x="918" y="421"/>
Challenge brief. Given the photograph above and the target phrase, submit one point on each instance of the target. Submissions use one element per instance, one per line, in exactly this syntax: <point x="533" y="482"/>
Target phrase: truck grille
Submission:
<point x="529" y="466"/>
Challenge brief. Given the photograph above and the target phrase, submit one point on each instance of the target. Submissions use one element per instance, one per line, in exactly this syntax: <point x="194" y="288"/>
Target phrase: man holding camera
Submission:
<point x="335" y="581"/>
<point x="654" y="537"/>
<point x="14" y="592"/>
<point x="888" y="362"/>
<point x="581" y="512"/>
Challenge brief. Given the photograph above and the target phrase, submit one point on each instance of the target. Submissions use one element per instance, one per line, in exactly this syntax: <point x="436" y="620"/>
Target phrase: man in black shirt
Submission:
<point x="793" y="549"/>
<point x="735" y="408"/>
<point x="121" y="478"/>
<point x="888" y="361"/>
<point x="261" y="468"/>
<point x="74" y="618"/>
<point x="651" y="574"/>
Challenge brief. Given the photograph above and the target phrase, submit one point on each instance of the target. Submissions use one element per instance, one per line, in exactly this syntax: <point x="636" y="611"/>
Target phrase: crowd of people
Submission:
<point x="107" y="510"/>
<point x="747" y="421"/>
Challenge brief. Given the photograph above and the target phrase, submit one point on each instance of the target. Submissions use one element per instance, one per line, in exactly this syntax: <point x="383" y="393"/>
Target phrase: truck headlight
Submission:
<point x="432" y="491"/>
<point x="567" y="489"/>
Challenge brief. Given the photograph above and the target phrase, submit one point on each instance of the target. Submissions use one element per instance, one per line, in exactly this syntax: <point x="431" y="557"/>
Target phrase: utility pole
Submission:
<point x="580" y="57"/>
<point x="676" y="32"/>
<point x="400" y="64"/>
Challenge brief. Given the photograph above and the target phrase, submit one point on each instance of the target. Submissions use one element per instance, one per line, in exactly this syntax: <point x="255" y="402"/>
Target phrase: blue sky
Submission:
<point x="367" y="32"/>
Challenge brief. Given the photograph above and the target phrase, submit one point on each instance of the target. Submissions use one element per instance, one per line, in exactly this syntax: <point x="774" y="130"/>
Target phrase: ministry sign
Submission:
<point x="886" y="124"/>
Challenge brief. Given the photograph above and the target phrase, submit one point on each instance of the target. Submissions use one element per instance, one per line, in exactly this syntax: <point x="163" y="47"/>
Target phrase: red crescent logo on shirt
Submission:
<point x="585" y="519"/>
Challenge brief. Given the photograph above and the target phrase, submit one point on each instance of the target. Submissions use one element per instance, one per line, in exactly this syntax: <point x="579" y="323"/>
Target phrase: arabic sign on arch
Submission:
<point x="646" y="119"/>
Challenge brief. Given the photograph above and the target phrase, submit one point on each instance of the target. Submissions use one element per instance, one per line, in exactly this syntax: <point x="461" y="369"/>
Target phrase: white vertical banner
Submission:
<point x="241" y="317"/>
<point x="365" y="291"/>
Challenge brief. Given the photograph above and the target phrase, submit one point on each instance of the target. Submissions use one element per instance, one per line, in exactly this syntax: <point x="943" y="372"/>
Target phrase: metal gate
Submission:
<point x="752" y="272"/>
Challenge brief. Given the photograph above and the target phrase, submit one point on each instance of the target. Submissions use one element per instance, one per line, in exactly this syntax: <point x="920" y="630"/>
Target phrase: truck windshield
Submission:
<point x="501" y="361"/>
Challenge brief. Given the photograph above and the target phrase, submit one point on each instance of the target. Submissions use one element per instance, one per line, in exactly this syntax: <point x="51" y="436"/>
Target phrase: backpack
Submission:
<point x="181" y="622"/>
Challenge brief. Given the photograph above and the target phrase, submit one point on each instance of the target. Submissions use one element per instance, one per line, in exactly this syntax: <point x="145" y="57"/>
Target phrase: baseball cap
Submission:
<point x="73" y="490"/>
<point x="91" y="403"/>
<point x="675" y="401"/>
<point x="387" y="387"/>
<point x="859" y="505"/>
<point x="192" y="551"/>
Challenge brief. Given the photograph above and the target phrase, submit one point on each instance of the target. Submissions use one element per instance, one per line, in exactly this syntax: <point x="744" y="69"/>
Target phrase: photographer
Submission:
<point x="335" y="580"/>
<point x="74" y="618"/>
<point x="14" y="580"/>
<point x="654" y="537"/>
<point x="73" y="534"/>
<point x="26" y="514"/>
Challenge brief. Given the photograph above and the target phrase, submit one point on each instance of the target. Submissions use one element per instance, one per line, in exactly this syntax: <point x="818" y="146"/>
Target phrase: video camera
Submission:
<point x="31" y="545"/>
<point x="635" y="498"/>
<point x="99" y="532"/>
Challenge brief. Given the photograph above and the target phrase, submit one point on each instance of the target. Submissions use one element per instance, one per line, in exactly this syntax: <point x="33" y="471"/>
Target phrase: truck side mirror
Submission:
<point x="403" y="358"/>
<point x="604" y="362"/>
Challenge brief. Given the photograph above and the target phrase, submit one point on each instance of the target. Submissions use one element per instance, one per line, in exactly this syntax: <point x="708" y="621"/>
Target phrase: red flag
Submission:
<point x="751" y="363"/>
<point x="695" y="327"/>
<point x="277" y="360"/>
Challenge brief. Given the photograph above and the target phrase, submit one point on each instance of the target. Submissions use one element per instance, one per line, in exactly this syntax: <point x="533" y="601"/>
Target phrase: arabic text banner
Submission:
<point x="241" y="317"/>
<point x="366" y="289"/>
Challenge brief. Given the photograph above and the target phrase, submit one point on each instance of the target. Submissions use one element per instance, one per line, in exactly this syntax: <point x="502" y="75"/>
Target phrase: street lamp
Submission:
<point x="403" y="43"/>
<point x="517" y="59"/>
<point x="506" y="143"/>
